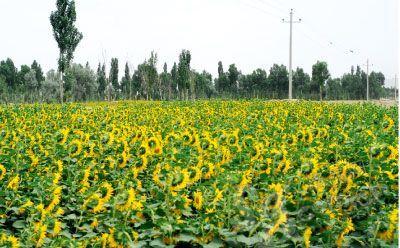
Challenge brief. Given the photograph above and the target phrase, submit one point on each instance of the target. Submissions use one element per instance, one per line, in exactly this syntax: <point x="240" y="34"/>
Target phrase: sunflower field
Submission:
<point x="199" y="174"/>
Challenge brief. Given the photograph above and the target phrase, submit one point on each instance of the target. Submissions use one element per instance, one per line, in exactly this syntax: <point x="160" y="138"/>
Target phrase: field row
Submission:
<point x="216" y="174"/>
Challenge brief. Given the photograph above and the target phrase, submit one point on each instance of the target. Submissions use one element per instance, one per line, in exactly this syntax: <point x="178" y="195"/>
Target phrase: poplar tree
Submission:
<point x="114" y="74"/>
<point x="66" y="35"/>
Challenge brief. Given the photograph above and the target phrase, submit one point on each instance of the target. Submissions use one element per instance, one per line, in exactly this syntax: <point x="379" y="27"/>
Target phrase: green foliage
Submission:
<point x="254" y="84"/>
<point x="184" y="73"/>
<point x="82" y="81"/>
<point x="65" y="33"/>
<point x="126" y="82"/>
<point x="301" y="82"/>
<point x="222" y="83"/>
<point x="101" y="80"/>
<point x="9" y="71"/>
<point x="320" y="74"/>
<point x="38" y="72"/>
<point x="233" y="76"/>
<point x="147" y="77"/>
<point x="198" y="174"/>
<point x="165" y="88"/>
<point x="182" y="82"/>
<point x="278" y="81"/>
<point x="114" y="74"/>
<point x="203" y="84"/>
<point x="50" y="87"/>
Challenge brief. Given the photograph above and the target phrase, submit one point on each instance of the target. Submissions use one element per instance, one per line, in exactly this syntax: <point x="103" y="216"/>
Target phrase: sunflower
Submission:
<point x="389" y="234"/>
<point x="132" y="203"/>
<point x="187" y="137"/>
<point x="278" y="191"/>
<point x="96" y="201"/>
<point x="2" y="172"/>
<point x="156" y="177"/>
<point x="109" y="191"/>
<point x="347" y="229"/>
<point x="306" y="237"/>
<point x="184" y="181"/>
<point x="281" y="220"/>
<point x="55" y="199"/>
<point x="123" y="160"/>
<point x="198" y="200"/>
<point x="143" y="163"/>
<point x="64" y="133"/>
<point x="57" y="228"/>
<point x="10" y="240"/>
<point x="14" y="183"/>
<point x="195" y="174"/>
<point x="144" y="149"/>
<point x="41" y="230"/>
<point x="76" y="147"/>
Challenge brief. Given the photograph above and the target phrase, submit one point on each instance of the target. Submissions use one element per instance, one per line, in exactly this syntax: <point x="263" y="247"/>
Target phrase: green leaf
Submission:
<point x="214" y="244"/>
<point x="248" y="240"/>
<point x="19" y="224"/>
<point x="71" y="217"/>
<point x="186" y="237"/>
<point x="157" y="243"/>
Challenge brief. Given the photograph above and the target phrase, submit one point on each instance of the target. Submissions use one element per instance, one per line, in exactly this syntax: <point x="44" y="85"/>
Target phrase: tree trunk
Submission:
<point x="320" y="93"/>
<point x="61" y="88"/>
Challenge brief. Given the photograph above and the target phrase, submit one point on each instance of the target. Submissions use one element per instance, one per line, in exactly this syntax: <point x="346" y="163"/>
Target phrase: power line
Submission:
<point x="332" y="43"/>
<point x="259" y="9"/>
<point x="273" y="6"/>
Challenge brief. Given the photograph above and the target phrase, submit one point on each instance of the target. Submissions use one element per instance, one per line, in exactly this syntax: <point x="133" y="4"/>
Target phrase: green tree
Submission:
<point x="278" y="81"/>
<point x="50" y="87"/>
<point x="114" y="75"/>
<point x="83" y="82"/>
<point x="31" y="84"/>
<point x="3" y="88"/>
<point x="126" y="81"/>
<point x="203" y="84"/>
<point x="101" y="80"/>
<point x="320" y="74"/>
<point x="38" y="72"/>
<point x="9" y="72"/>
<point x="66" y="35"/>
<point x="233" y="76"/>
<point x="136" y="83"/>
<point x="152" y="74"/>
<point x="21" y="75"/>
<point x="301" y="80"/>
<point x="376" y="84"/>
<point x="334" y="89"/>
<point x="147" y="77"/>
<point x="184" y="73"/>
<point x="352" y="84"/>
<point x="166" y="84"/>
<point x="222" y="83"/>
<point x="254" y="84"/>
<point x="174" y="78"/>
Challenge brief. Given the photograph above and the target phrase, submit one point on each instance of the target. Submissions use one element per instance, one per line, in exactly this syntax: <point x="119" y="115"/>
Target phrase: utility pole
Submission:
<point x="290" y="51"/>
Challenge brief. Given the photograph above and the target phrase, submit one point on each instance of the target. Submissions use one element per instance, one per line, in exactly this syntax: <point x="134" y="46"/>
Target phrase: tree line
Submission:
<point x="181" y="82"/>
<point x="75" y="82"/>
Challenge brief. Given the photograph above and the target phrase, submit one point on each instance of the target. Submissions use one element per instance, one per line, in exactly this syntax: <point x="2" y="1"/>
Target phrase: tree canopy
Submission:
<point x="181" y="82"/>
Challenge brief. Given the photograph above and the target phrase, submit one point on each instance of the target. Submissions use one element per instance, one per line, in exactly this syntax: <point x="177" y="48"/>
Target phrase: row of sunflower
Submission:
<point x="210" y="173"/>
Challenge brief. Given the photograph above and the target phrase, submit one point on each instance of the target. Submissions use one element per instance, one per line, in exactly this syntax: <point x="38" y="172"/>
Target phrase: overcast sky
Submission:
<point x="249" y="33"/>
